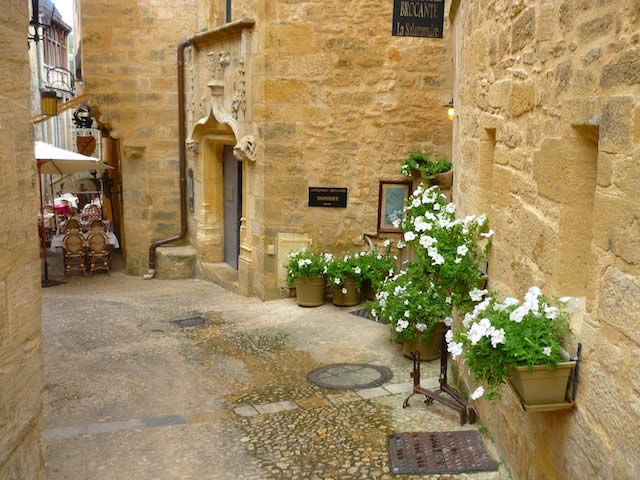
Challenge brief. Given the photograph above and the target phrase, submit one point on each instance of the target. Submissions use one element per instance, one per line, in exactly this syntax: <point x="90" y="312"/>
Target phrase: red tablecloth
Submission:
<point x="63" y="209"/>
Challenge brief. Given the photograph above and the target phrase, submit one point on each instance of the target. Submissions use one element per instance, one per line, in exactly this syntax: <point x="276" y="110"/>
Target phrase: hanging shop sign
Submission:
<point x="418" y="18"/>
<point x="328" y="197"/>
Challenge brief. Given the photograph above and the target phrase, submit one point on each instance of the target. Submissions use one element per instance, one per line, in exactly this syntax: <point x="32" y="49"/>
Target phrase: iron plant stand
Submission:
<point x="455" y="402"/>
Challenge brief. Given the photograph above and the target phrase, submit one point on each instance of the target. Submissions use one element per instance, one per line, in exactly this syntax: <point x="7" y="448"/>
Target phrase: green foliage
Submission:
<point x="498" y="336"/>
<point x="411" y="304"/>
<point x="375" y="266"/>
<point x="305" y="263"/>
<point x="425" y="165"/>
<point x="341" y="268"/>
<point x="448" y="249"/>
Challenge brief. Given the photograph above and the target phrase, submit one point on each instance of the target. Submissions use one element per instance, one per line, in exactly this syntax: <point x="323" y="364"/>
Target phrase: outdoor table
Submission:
<point x="56" y="240"/>
<point x="62" y="209"/>
<point x="49" y="221"/>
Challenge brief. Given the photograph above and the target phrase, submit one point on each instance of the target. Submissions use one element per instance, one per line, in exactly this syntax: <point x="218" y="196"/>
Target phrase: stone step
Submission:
<point x="222" y="274"/>
<point x="175" y="262"/>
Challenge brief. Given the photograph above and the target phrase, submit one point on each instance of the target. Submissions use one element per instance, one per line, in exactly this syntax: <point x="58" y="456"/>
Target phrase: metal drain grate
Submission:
<point x="428" y="453"/>
<point x="366" y="313"/>
<point x="190" y="322"/>
<point x="350" y="376"/>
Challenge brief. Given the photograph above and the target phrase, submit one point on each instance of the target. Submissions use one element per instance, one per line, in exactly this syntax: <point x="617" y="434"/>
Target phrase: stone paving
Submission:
<point x="130" y="395"/>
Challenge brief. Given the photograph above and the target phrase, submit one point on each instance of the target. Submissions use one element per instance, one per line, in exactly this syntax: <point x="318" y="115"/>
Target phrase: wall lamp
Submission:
<point x="451" y="111"/>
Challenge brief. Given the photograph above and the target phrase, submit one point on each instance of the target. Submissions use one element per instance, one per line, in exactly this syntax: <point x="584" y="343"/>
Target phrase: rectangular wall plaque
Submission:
<point x="418" y="18"/>
<point x="328" y="197"/>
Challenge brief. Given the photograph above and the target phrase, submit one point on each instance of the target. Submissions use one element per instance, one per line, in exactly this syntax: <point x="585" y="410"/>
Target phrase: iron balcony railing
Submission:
<point x="59" y="78"/>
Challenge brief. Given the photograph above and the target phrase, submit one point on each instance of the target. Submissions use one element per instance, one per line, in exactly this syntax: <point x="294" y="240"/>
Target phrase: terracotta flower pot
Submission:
<point x="541" y="386"/>
<point x="310" y="291"/>
<point x="429" y="350"/>
<point x="349" y="299"/>
<point x="443" y="180"/>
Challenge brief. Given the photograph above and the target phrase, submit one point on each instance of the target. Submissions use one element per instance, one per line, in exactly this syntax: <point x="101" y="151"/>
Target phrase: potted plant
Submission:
<point x="518" y="342"/>
<point x="438" y="171"/>
<point x="345" y="279"/>
<point x="374" y="268"/>
<point x="417" y="310"/>
<point x="448" y="249"/>
<point x="306" y="270"/>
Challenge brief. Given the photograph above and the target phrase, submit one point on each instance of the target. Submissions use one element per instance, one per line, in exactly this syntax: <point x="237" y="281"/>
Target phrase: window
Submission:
<point x="55" y="46"/>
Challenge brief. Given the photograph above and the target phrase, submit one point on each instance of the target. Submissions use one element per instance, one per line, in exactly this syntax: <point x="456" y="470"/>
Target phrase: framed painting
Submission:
<point x="392" y="198"/>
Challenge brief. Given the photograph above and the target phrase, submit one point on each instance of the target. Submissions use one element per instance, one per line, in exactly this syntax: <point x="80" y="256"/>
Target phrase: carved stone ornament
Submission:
<point x="245" y="149"/>
<point x="218" y="61"/>
<point x="193" y="147"/>
<point x="239" y="101"/>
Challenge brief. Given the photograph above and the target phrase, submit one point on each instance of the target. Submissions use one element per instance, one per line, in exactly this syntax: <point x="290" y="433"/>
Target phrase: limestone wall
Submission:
<point x="341" y="103"/>
<point x="21" y="369"/>
<point x="547" y="141"/>
<point x="129" y="60"/>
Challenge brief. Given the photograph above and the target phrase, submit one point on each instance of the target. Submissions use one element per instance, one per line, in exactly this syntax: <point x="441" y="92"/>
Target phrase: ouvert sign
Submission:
<point x="418" y="18"/>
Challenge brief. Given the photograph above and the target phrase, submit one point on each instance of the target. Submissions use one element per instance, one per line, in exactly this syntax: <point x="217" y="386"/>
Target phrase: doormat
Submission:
<point x="429" y="453"/>
<point x="190" y="322"/>
<point x="51" y="283"/>
<point x="366" y="313"/>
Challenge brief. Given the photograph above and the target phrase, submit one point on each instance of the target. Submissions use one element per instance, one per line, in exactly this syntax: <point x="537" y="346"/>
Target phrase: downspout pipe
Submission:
<point x="183" y="167"/>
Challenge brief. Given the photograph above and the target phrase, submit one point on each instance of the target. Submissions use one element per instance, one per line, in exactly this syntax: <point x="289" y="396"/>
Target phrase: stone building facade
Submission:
<point x="303" y="96"/>
<point x="21" y="368"/>
<point x="547" y="142"/>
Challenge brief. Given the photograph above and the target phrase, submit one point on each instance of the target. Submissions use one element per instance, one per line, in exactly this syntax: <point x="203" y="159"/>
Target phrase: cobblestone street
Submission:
<point x="131" y="395"/>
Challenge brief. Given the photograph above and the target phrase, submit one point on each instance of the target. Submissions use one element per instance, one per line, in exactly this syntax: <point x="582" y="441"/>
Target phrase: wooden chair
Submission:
<point x="72" y="225"/>
<point x="97" y="226"/>
<point x="94" y="210"/>
<point x="73" y="248"/>
<point x="98" y="254"/>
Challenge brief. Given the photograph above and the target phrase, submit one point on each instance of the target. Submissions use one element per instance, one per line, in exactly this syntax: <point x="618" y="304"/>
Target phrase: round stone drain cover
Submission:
<point x="350" y="376"/>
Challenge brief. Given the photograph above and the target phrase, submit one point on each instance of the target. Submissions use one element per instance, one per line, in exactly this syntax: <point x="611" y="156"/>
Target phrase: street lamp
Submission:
<point x="451" y="111"/>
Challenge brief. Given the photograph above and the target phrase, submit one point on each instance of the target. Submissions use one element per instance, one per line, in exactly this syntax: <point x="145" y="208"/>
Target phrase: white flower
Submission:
<point x="455" y="349"/>
<point x="480" y="330"/>
<point x="450" y="208"/>
<point x="416" y="202"/>
<point x="328" y="257"/>
<point x="509" y="301"/>
<point x="346" y="258"/>
<point x="401" y="325"/>
<point x="468" y="318"/>
<point x="387" y="243"/>
<point x="396" y="223"/>
<point x="426" y="241"/>
<point x="489" y="234"/>
<point x="448" y="336"/>
<point x="547" y="351"/>
<point x="551" y="312"/>
<point x="448" y="321"/>
<point x="462" y="250"/>
<point x="497" y="336"/>
<point x="391" y="272"/>
<point x="301" y="263"/>
<point x="458" y="260"/>
<point x="324" y="270"/>
<point x="401" y="244"/>
<point x="518" y="314"/>
<point x="481" y="219"/>
<point x="344" y="291"/>
<point x="337" y="281"/>
<point x="476" y="294"/>
<point x="421" y="326"/>
<point x="436" y="206"/>
<point x="565" y="299"/>
<point x="479" y="392"/>
<point x="357" y="271"/>
<point x="408" y="236"/>
<point x="421" y="225"/>
<point x="407" y="314"/>
<point x="481" y="307"/>
<point x="448" y="299"/>
<point x="379" y="257"/>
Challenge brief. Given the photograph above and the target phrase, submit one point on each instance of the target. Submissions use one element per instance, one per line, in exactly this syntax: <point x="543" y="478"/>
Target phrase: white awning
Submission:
<point x="58" y="161"/>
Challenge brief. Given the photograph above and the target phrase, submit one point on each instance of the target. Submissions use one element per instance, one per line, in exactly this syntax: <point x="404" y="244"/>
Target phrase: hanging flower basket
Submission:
<point x="443" y="180"/>
<point x="538" y="385"/>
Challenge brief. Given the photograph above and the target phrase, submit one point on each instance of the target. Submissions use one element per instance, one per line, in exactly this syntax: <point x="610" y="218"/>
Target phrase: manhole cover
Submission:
<point x="366" y="313"/>
<point x="350" y="376"/>
<point x="190" y="322"/>
<point x="426" y="453"/>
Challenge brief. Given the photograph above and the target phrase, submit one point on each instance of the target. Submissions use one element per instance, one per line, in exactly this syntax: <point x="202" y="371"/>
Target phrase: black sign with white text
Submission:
<point x="418" y="18"/>
<point x="328" y="197"/>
